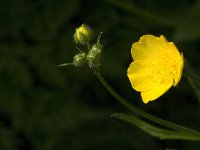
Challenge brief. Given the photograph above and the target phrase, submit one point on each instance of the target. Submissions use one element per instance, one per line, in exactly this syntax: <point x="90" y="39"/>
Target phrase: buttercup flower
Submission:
<point x="83" y="34"/>
<point x="156" y="67"/>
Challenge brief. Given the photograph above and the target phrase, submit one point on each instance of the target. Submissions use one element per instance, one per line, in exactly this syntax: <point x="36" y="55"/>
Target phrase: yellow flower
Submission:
<point x="83" y="34"/>
<point x="156" y="67"/>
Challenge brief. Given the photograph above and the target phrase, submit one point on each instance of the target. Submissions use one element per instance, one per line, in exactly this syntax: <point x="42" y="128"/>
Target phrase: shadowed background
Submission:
<point x="48" y="108"/>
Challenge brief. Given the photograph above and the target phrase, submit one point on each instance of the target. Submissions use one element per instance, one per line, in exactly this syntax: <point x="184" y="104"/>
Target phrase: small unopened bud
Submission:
<point x="94" y="56"/>
<point x="83" y="34"/>
<point x="79" y="59"/>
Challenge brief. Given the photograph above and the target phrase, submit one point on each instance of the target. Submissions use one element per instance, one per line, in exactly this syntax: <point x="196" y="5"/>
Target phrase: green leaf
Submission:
<point x="156" y="131"/>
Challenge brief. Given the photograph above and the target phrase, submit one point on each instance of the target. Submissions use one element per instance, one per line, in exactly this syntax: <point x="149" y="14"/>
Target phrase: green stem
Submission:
<point x="140" y="112"/>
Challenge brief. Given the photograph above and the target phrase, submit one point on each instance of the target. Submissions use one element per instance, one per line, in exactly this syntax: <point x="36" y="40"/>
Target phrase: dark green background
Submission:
<point x="48" y="108"/>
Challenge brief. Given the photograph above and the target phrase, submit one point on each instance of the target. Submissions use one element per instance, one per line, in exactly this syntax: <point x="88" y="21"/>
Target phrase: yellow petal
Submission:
<point x="174" y="51"/>
<point x="147" y="47"/>
<point x="140" y="76"/>
<point x="150" y="47"/>
<point x="139" y="67"/>
<point x="178" y="71"/>
<point x="155" y="92"/>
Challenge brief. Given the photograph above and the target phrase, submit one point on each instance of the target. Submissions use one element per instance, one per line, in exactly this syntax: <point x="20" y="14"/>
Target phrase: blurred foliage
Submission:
<point x="47" y="108"/>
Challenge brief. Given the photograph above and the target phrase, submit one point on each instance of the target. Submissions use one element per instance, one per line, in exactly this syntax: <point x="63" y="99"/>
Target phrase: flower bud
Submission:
<point x="79" y="59"/>
<point x="83" y="34"/>
<point x="94" y="56"/>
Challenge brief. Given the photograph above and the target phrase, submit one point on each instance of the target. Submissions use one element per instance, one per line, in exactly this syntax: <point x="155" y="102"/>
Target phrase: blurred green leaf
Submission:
<point x="195" y="86"/>
<point x="133" y="9"/>
<point x="193" y="78"/>
<point x="7" y="139"/>
<point x="155" y="131"/>
<point x="188" y="29"/>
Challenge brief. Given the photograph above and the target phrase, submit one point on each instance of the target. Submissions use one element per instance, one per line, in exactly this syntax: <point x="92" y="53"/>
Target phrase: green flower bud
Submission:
<point x="83" y="34"/>
<point x="79" y="59"/>
<point x="94" y="56"/>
